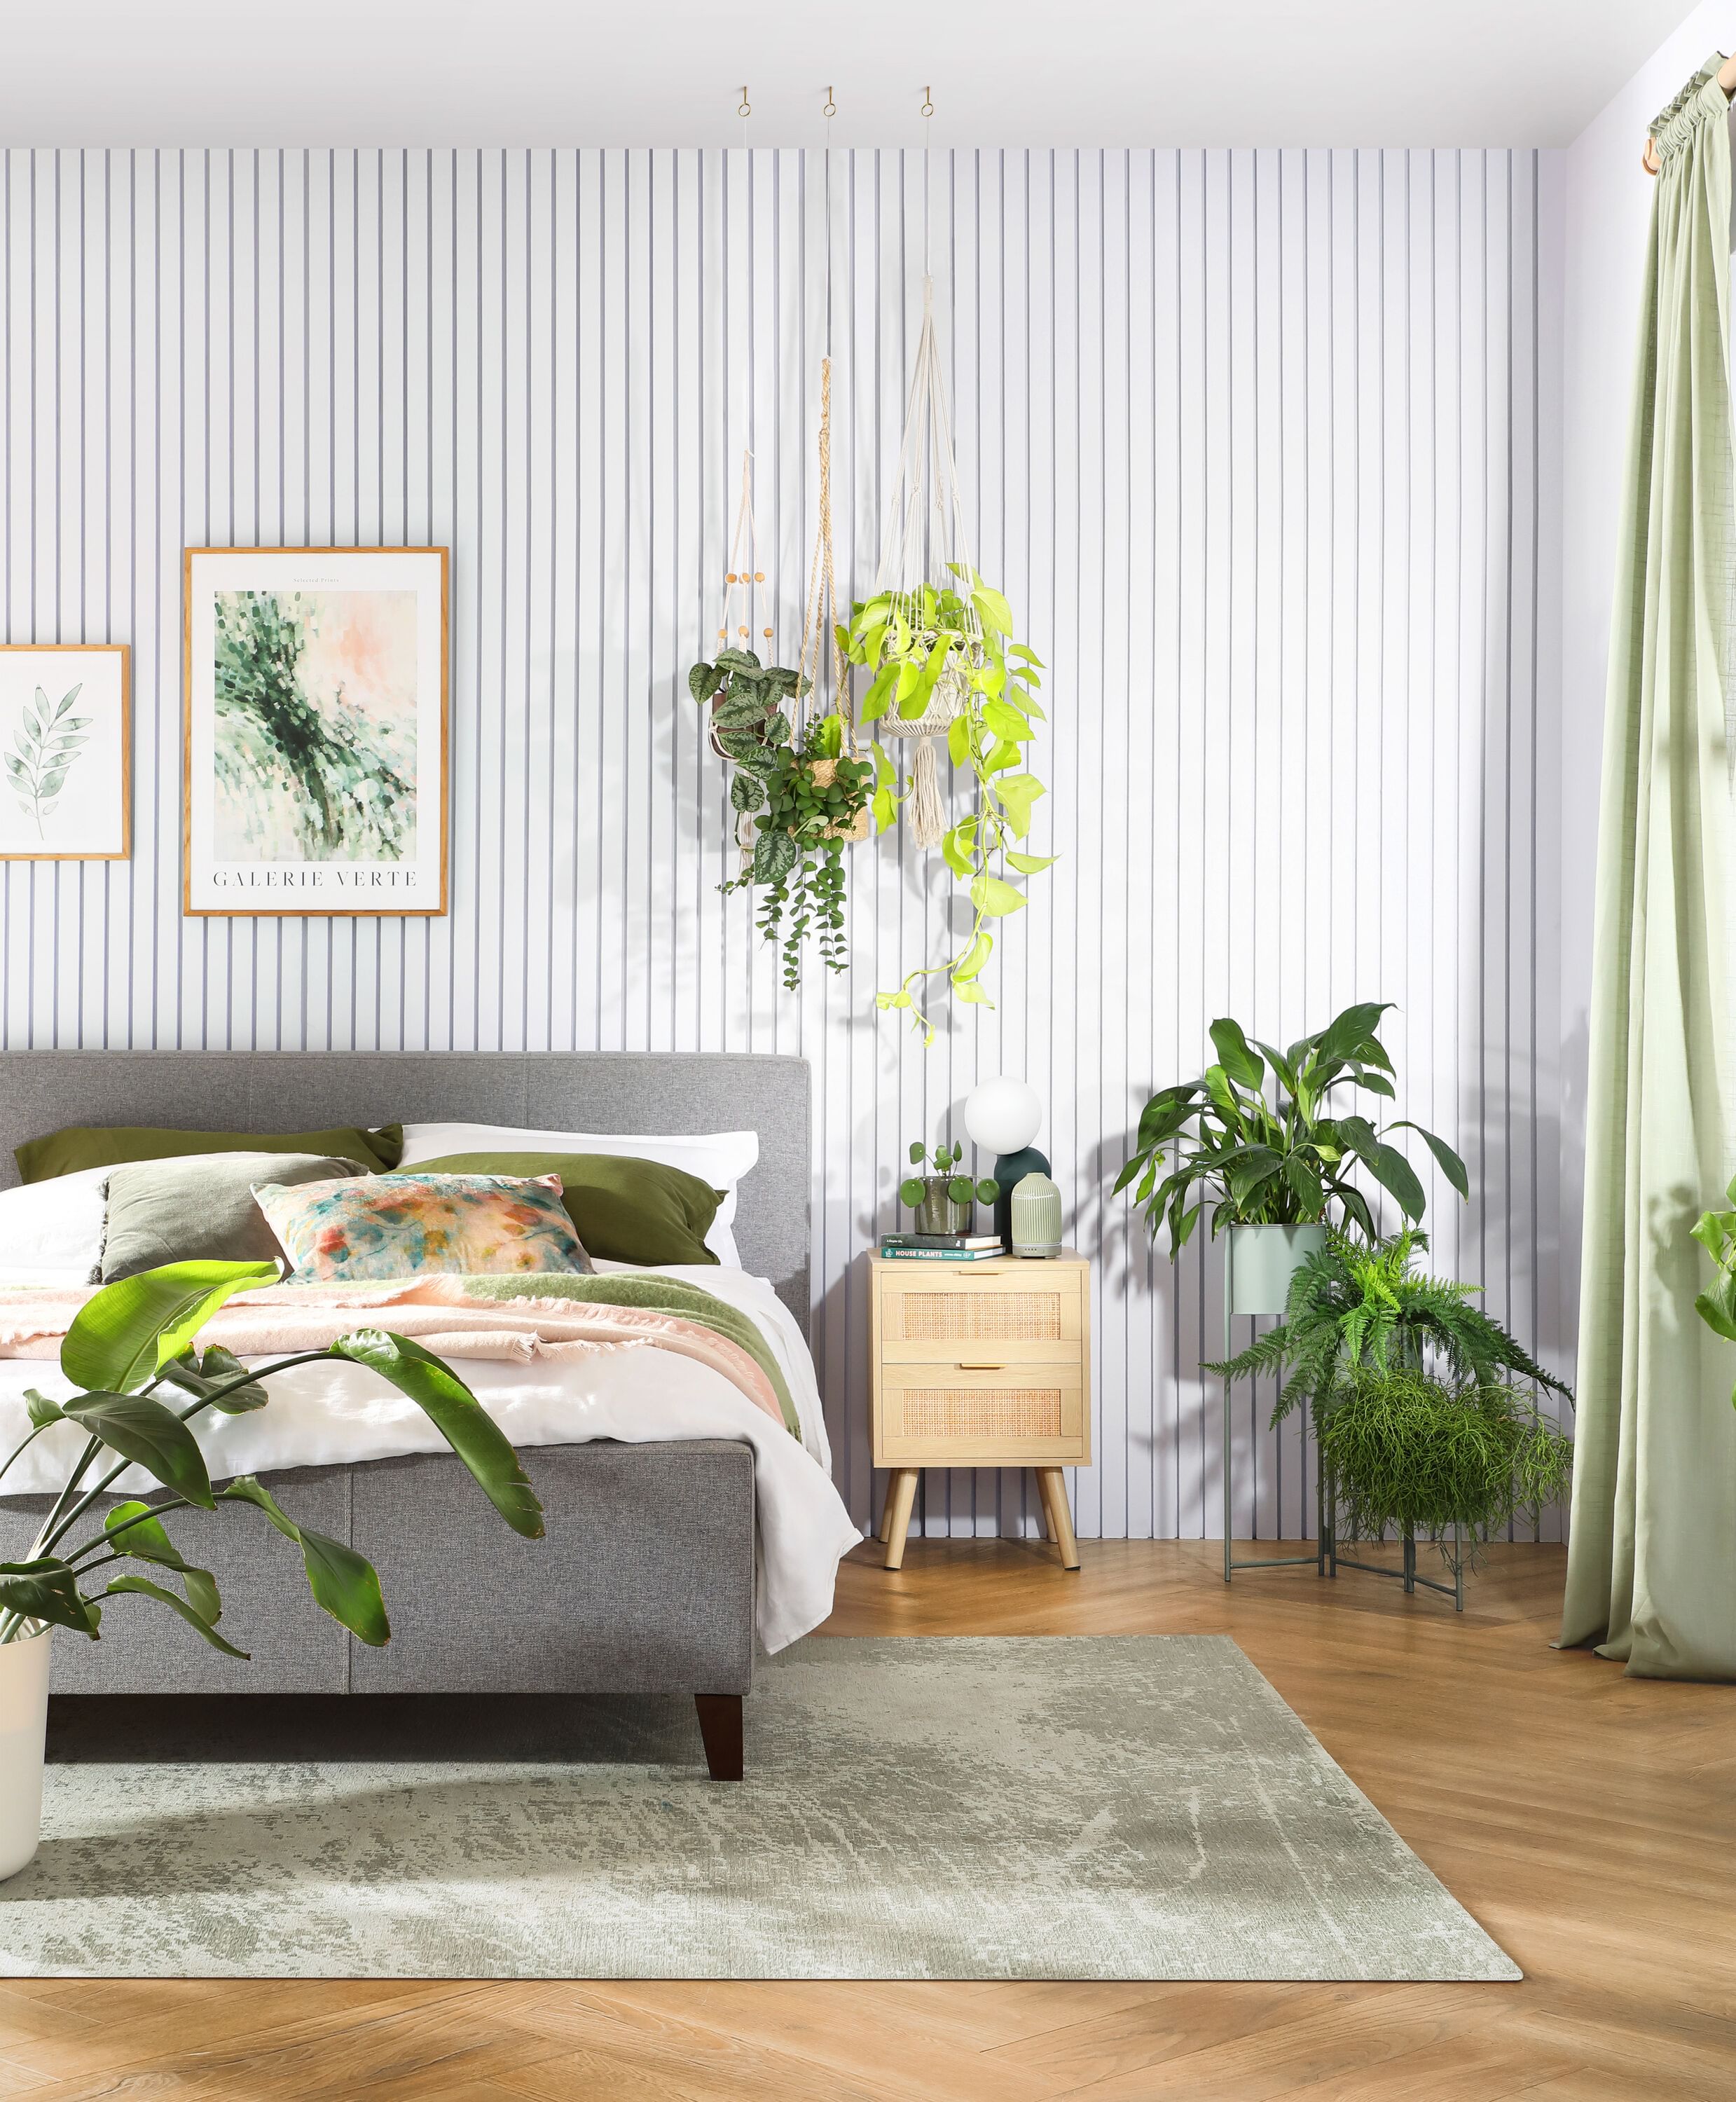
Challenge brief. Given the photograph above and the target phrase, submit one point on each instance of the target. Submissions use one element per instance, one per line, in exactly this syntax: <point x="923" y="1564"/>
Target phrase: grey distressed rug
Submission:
<point x="1071" y="1807"/>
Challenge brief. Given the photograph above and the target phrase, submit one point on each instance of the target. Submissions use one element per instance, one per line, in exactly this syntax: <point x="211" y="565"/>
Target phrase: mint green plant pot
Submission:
<point x="1259" y="1261"/>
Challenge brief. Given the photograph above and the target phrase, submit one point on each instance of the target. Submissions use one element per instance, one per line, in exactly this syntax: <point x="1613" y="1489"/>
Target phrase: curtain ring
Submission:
<point x="831" y="106"/>
<point x="927" y="108"/>
<point x="744" y="107"/>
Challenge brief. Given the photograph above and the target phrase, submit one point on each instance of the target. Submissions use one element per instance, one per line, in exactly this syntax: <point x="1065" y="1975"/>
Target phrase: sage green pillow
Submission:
<point x="201" y="1209"/>
<point x="623" y="1209"/>
<point x="108" y="1145"/>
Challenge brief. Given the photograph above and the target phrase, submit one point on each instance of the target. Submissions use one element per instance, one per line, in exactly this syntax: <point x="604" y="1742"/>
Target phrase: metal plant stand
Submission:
<point x="1406" y="1574"/>
<point x="1259" y="1262"/>
<point x="1257" y="1281"/>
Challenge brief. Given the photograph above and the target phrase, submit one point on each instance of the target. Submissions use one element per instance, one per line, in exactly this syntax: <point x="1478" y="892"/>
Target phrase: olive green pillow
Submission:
<point x="623" y="1209"/>
<point x="201" y="1209"/>
<point x="107" y="1146"/>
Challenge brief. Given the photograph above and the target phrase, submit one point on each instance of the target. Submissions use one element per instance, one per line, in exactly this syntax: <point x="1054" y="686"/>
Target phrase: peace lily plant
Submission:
<point x="1262" y="1138"/>
<point x="952" y="646"/>
<point x="130" y="1351"/>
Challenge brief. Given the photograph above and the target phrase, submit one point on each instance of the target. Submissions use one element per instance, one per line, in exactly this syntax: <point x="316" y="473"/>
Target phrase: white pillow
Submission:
<point x="718" y="1158"/>
<point x="52" y="1232"/>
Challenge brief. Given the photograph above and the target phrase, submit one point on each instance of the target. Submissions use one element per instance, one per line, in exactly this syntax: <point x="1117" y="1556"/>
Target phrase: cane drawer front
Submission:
<point x="1023" y="1313"/>
<point x="970" y="1410"/>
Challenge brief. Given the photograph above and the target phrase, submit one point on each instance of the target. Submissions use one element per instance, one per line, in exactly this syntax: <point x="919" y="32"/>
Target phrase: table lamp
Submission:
<point x="1003" y="1116"/>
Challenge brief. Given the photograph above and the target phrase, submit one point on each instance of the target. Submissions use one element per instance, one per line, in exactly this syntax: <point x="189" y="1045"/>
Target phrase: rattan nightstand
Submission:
<point x="981" y="1364"/>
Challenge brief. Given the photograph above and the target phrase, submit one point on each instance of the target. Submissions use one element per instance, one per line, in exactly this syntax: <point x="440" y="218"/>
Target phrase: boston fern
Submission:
<point x="130" y="1350"/>
<point x="1259" y="1139"/>
<point x="1352" y="1307"/>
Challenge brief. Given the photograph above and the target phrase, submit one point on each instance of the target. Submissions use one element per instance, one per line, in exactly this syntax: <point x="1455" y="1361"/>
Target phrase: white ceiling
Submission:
<point x="1065" y="73"/>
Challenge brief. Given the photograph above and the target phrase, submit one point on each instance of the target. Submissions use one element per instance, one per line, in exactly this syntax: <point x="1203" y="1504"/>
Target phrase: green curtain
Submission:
<point x="1651" y="1569"/>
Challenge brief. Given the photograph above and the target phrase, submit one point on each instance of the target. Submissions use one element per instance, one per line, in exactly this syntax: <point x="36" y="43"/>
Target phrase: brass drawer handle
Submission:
<point x="975" y="1365"/>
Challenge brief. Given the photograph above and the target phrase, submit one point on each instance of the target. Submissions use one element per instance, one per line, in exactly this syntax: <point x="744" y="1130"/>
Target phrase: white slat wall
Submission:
<point x="1260" y="445"/>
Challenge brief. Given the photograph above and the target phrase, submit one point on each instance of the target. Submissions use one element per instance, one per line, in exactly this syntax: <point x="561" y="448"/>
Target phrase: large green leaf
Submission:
<point x="1304" y="1179"/>
<point x="775" y="854"/>
<point x="151" y="1436"/>
<point x="1243" y="1065"/>
<point x="145" y="1588"/>
<point x="47" y="1589"/>
<point x="1450" y="1165"/>
<point x="134" y="1528"/>
<point x="1390" y="1168"/>
<point x="1018" y="792"/>
<point x="458" y="1417"/>
<point x="129" y="1331"/>
<point x="1717" y="1309"/>
<point x="1351" y="1035"/>
<point x="344" y="1583"/>
<point x="994" y="899"/>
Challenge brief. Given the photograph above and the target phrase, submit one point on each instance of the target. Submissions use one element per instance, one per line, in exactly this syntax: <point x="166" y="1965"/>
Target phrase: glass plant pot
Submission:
<point x="940" y="1211"/>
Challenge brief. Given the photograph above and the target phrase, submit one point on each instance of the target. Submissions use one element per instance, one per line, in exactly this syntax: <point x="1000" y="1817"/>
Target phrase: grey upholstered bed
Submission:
<point x="646" y="1582"/>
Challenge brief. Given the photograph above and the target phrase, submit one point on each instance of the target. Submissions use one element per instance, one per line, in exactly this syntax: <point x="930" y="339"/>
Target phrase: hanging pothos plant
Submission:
<point x="945" y="654"/>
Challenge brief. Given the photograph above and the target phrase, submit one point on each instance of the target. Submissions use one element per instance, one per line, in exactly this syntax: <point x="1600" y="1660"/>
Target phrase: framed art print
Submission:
<point x="315" y="730"/>
<point x="66" y="728"/>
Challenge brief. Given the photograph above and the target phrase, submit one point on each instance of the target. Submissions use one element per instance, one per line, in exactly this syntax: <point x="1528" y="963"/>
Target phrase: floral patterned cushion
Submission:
<point x="395" y="1225"/>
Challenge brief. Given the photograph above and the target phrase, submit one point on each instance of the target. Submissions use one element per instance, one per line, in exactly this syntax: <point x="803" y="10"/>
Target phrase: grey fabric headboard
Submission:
<point x="602" y="1091"/>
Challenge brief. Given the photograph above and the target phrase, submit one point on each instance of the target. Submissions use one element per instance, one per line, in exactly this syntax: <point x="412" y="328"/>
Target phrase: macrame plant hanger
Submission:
<point x="925" y="541"/>
<point x="820" y="614"/>
<point x="741" y="593"/>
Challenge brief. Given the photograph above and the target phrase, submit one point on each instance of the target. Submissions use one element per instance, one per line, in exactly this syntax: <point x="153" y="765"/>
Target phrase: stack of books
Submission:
<point x="942" y="1247"/>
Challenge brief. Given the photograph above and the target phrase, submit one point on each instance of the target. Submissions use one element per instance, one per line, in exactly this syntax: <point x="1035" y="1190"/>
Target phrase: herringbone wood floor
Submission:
<point x="1587" y="1820"/>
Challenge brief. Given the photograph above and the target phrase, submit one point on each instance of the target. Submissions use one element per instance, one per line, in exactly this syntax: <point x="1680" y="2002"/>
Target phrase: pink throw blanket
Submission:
<point x="437" y="1311"/>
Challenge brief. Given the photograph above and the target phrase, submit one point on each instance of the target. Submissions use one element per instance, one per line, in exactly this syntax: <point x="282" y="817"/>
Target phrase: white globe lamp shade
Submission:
<point x="1002" y="1116"/>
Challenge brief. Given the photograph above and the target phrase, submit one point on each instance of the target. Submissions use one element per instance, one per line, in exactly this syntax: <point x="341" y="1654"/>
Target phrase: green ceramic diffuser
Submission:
<point x="1036" y="1217"/>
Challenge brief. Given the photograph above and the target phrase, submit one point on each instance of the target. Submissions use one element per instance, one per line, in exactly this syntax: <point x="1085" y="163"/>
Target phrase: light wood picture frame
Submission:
<point x="66" y="730"/>
<point x="316" y="731"/>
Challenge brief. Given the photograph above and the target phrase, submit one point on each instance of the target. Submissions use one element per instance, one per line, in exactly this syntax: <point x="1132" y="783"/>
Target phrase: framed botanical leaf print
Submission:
<point x="315" y="730"/>
<point x="66" y="731"/>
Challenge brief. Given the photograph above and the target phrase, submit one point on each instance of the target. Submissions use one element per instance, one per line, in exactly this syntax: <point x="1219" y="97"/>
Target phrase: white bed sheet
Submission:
<point x="333" y="1413"/>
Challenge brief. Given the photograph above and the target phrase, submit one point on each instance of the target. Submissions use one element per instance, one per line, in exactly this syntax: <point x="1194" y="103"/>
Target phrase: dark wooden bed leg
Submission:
<point x="720" y="1726"/>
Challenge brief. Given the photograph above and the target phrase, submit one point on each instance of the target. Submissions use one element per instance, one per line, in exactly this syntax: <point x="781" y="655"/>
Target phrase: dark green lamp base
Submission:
<point x="1008" y="1169"/>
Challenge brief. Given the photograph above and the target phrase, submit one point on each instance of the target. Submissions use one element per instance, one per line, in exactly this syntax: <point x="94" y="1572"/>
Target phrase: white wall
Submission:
<point x="1607" y="210"/>
<point x="1263" y="446"/>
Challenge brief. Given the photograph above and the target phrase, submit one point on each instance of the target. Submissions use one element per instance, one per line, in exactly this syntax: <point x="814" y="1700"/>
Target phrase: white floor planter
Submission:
<point x="24" y="1728"/>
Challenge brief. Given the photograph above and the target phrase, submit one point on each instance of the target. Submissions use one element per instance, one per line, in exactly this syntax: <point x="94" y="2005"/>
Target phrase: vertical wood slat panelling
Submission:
<point x="1255" y="440"/>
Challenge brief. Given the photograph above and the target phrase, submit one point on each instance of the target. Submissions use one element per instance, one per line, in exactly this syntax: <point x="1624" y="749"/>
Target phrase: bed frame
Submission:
<point x="646" y="1582"/>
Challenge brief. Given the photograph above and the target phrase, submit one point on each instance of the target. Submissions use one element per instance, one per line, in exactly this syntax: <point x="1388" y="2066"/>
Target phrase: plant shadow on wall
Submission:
<point x="315" y="696"/>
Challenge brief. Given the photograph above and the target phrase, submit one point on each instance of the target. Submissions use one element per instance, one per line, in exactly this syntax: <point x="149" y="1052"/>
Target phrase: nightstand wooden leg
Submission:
<point x="899" y="1499"/>
<point x="1053" y="1484"/>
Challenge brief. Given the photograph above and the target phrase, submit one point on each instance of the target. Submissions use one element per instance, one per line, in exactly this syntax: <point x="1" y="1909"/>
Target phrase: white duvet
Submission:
<point x="324" y="1414"/>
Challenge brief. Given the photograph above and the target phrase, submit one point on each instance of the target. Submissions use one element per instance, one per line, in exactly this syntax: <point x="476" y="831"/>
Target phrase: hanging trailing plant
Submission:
<point x="808" y="806"/>
<point x="940" y="644"/>
<point x="803" y="790"/>
<point x="948" y="651"/>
